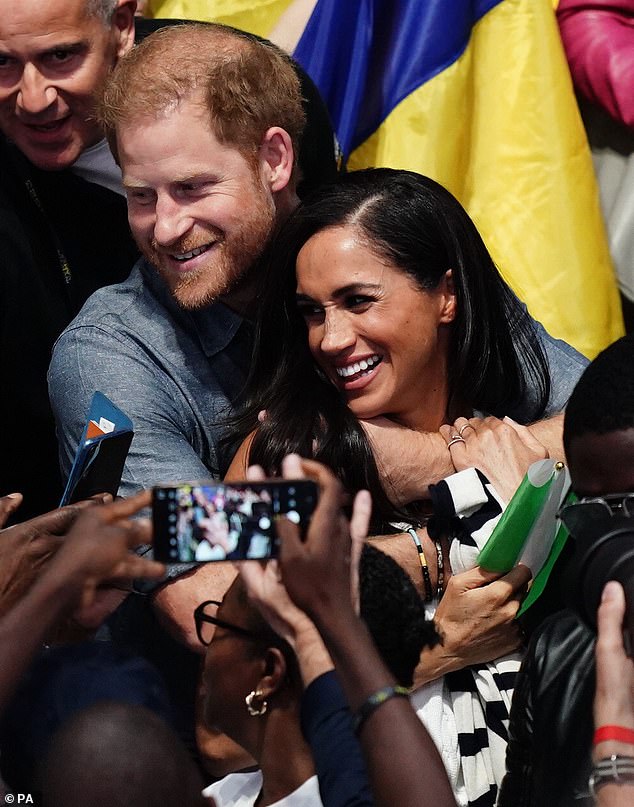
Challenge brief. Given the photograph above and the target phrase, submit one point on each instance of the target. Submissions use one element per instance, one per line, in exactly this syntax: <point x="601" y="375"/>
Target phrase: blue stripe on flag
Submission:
<point x="366" y="56"/>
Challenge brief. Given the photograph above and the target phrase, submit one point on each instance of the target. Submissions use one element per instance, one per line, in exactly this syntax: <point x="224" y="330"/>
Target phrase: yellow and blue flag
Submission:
<point x="476" y="94"/>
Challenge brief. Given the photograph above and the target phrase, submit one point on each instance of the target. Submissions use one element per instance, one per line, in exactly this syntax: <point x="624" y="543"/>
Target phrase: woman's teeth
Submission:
<point x="358" y="367"/>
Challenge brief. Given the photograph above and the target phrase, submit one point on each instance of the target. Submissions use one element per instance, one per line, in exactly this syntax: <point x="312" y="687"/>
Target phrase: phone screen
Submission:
<point x="212" y="521"/>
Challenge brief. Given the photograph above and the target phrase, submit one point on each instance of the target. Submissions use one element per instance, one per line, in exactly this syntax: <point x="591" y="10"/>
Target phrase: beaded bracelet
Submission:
<point x="375" y="700"/>
<point x="619" y="733"/>
<point x="427" y="586"/>
<point x="440" y="582"/>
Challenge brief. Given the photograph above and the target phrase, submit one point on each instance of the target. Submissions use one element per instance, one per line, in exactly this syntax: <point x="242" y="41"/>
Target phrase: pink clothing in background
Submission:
<point x="598" y="37"/>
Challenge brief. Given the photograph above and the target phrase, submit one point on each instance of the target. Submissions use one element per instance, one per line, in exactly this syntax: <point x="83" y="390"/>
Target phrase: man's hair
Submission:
<point x="119" y="754"/>
<point x="603" y="400"/>
<point x="104" y="9"/>
<point x="246" y="85"/>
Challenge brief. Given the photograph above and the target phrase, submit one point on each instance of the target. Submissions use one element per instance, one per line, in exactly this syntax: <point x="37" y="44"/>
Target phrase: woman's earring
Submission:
<point x="256" y="709"/>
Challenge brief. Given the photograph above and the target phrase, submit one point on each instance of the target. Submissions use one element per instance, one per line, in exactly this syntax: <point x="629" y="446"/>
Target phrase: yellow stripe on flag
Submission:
<point x="257" y="16"/>
<point x="501" y="129"/>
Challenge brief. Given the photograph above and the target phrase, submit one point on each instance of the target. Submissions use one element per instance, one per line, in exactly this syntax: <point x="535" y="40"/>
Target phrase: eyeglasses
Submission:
<point x="206" y="622"/>
<point x="593" y="510"/>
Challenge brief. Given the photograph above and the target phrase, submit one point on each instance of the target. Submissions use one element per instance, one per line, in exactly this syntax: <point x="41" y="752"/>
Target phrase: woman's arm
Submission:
<point x="403" y="763"/>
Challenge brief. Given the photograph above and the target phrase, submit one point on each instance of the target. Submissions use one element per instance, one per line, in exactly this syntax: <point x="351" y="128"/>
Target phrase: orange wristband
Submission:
<point x="618" y="733"/>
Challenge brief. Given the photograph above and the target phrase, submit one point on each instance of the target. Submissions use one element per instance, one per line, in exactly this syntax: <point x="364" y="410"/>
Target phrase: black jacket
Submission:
<point x="550" y="735"/>
<point x="66" y="221"/>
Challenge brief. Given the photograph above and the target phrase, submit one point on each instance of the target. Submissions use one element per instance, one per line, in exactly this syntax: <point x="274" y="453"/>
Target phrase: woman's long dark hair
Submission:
<point x="495" y="357"/>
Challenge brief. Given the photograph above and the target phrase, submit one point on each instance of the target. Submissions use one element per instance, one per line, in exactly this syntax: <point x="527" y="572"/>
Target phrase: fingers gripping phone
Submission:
<point x="210" y="521"/>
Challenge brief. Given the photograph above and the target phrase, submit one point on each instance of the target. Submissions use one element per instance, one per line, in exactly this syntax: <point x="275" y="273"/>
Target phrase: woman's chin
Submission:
<point x="364" y="411"/>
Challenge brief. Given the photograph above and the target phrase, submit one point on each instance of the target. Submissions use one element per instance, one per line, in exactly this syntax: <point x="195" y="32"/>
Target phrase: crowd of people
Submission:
<point x="177" y="236"/>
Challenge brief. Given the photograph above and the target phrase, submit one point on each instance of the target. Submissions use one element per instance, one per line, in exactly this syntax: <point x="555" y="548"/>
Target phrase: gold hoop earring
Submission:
<point x="255" y="710"/>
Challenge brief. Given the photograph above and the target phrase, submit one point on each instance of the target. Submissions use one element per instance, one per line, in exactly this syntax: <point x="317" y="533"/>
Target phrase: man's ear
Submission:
<point x="122" y="24"/>
<point x="448" y="303"/>
<point x="276" y="158"/>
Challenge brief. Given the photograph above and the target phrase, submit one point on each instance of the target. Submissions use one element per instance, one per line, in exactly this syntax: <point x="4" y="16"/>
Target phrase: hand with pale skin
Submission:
<point x="502" y="449"/>
<point x="614" y="694"/>
<point x="475" y="620"/>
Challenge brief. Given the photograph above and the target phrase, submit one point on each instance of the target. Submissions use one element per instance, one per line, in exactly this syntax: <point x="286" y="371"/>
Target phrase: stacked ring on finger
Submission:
<point x="455" y="438"/>
<point x="465" y="426"/>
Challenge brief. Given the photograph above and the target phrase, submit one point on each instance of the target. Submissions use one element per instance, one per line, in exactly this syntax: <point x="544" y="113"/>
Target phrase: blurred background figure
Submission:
<point x="598" y="38"/>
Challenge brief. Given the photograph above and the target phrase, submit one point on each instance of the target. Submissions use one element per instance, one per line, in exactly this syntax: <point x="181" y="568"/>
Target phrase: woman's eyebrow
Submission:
<point x="350" y="288"/>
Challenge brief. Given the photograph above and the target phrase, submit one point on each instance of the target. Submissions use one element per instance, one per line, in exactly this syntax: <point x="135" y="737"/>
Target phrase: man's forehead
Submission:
<point x="34" y="21"/>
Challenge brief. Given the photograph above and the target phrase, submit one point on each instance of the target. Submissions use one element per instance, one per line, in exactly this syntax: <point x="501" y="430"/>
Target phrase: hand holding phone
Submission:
<point x="212" y="521"/>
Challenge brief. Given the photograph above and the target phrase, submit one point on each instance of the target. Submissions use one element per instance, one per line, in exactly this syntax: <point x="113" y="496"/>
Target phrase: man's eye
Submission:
<point x="193" y="188"/>
<point x="139" y="197"/>
<point x="61" y="56"/>
<point x="5" y="60"/>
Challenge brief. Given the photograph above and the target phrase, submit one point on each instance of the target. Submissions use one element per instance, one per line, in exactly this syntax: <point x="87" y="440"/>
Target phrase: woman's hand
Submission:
<point x="475" y="620"/>
<point x="321" y="572"/>
<point x="502" y="449"/>
<point x="264" y="582"/>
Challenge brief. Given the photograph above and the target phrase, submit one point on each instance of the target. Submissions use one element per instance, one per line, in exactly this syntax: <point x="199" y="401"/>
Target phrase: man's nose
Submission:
<point x="172" y="220"/>
<point x="35" y="94"/>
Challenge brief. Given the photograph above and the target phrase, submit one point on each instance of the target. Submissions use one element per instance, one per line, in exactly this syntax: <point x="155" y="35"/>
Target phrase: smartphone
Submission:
<point x="98" y="467"/>
<point x="211" y="521"/>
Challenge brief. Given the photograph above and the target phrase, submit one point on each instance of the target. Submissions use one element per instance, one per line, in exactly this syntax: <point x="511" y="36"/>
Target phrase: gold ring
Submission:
<point x="455" y="439"/>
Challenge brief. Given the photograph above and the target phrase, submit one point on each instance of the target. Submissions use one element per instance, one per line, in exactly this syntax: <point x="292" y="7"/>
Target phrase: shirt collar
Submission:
<point x="215" y="325"/>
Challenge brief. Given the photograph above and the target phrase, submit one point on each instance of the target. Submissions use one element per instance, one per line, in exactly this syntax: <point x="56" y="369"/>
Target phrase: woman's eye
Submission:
<point x="358" y="300"/>
<point x="309" y="311"/>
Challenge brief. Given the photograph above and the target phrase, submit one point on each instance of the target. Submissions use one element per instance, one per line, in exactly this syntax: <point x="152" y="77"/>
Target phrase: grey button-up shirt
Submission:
<point x="175" y="373"/>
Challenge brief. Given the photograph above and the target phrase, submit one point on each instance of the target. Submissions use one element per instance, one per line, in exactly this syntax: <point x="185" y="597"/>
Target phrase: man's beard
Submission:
<point x="230" y="259"/>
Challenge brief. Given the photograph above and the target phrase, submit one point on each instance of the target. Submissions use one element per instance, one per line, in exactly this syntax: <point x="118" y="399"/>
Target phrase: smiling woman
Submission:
<point x="384" y="269"/>
<point x="380" y="301"/>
